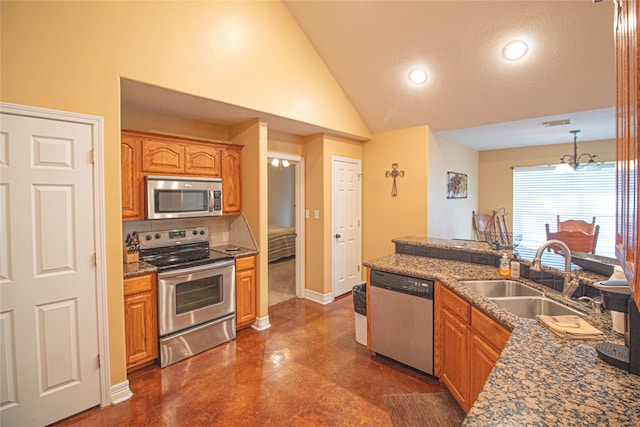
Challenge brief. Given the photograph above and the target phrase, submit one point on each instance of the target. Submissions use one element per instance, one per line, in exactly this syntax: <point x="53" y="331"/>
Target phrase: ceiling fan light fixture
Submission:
<point x="418" y="76"/>
<point x="515" y="50"/>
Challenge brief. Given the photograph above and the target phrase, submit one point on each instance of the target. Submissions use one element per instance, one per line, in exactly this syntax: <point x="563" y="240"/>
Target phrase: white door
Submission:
<point x="48" y="308"/>
<point x="346" y="224"/>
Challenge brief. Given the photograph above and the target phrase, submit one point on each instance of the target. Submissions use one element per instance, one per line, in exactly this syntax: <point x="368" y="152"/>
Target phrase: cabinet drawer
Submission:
<point x="133" y="285"/>
<point x="456" y="305"/>
<point x="492" y="331"/>
<point x="245" y="263"/>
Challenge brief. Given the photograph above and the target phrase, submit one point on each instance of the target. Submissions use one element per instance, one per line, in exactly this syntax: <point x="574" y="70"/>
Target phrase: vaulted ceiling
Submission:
<point x="473" y="95"/>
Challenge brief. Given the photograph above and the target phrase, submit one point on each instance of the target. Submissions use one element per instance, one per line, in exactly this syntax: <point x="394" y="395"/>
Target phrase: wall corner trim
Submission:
<point x="120" y="392"/>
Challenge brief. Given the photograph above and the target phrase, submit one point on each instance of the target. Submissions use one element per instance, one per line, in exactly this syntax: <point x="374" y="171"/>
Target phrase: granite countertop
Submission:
<point x="540" y="379"/>
<point x="234" y="251"/>
<point x="138" y="269"/>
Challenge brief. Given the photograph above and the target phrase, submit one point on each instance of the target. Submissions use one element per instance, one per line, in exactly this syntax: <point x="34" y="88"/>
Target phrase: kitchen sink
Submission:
<point x="501" y="288"/>
<point x="530" y="307"/>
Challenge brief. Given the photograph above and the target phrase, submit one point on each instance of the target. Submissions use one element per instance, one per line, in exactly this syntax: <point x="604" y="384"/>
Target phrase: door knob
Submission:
<point x="338" y="236"/>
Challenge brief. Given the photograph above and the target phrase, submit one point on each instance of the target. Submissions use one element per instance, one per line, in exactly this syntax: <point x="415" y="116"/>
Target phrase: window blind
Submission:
<point x="539" y="195"/>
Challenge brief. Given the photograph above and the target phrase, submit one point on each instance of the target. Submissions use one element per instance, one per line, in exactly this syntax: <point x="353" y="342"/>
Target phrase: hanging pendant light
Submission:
<point x="570" y="162"/>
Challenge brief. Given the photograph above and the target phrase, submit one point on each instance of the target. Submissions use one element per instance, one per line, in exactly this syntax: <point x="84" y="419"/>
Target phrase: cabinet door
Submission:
<point x="482" y="360"/>
<point x="245" y="297"/>
<point x="162" y="157"/>
<point x="231" y="181"/>
<point x="131" y="177"/>
<point x="202" y="160"/>
<point x="627" y="145"/>
<point x="140" y="328"/>
<point x="455" y="358"/>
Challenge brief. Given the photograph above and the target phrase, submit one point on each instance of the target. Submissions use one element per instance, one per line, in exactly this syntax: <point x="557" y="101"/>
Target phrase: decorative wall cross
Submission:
<point x="395" y="173"/>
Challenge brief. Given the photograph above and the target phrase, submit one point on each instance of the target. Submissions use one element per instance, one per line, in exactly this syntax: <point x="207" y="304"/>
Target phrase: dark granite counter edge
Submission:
<point x="137" y="269"/>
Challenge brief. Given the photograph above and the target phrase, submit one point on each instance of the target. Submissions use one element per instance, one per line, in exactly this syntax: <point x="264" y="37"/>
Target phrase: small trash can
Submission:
<point x="360" y="308"/>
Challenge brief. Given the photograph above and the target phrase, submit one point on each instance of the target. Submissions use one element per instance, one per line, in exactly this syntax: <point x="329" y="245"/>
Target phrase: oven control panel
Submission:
<point x="154" y="239"/>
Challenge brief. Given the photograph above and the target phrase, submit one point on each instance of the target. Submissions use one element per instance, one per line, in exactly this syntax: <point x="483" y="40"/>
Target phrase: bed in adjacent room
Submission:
<point x="282" y="242"/>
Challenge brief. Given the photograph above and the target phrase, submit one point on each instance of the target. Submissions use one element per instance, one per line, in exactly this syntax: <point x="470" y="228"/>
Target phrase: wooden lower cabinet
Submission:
<point x="455" y="362"/>
<point x="245" y="291"/>
<point x="140" y="320"/>
<point x="467" y="346"/>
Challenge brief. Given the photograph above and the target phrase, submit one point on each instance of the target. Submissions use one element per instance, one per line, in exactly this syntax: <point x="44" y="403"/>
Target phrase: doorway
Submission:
<point x="286" y="227"/>
<point x="53" y="287"/>
<point x="347" y="229"/>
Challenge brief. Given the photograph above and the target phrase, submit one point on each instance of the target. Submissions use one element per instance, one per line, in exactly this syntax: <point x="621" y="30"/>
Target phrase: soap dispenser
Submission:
<point x="504" y="269"/>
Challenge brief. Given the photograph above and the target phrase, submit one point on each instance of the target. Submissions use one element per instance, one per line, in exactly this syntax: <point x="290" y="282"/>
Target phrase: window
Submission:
<point x="539" y="196"/>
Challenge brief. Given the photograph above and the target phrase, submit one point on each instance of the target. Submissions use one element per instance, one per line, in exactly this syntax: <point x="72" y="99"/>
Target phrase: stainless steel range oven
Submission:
<point x="196" y="292"/>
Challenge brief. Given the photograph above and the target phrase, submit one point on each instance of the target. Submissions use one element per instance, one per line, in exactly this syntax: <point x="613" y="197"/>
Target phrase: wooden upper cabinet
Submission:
<point x="145" y="153"/>
<point x="132" y="180"/>
<point x="202" y="160"/>
<point x="627" y="148"/>
<point x="231" y="181"/>
<point x="162" y="157"/>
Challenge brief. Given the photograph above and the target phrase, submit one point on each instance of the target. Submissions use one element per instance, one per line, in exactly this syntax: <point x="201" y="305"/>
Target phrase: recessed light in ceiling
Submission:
<point x="417" y="76"/>
<point x="515" y="50"/>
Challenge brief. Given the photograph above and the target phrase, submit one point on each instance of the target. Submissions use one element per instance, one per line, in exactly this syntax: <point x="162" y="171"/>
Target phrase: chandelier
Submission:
<point x="571" y="162"/>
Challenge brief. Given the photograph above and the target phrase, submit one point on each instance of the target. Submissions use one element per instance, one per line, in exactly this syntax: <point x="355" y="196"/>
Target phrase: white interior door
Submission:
<point x="48" y="311"/>
<point x="347" y="242"/>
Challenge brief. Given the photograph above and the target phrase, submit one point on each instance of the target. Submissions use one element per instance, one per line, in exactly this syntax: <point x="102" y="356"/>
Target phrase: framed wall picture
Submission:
<point x="456" y="185"/>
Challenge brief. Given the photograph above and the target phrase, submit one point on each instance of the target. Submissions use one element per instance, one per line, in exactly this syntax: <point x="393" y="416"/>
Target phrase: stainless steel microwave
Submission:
<point x="182" y="197"/>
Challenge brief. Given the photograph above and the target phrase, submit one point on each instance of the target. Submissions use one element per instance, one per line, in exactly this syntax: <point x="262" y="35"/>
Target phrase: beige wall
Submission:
<point x="451" y="218"/>
<point x="496" y="175"/>
<point x="71" y="55"/>
<point x="385" y="217"/>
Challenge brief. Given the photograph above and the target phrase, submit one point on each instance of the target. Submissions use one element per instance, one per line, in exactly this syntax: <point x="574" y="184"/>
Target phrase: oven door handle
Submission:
<point x="198" y="269"/>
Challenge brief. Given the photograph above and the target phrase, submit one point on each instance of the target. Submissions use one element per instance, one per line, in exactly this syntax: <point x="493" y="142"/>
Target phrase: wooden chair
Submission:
<point x="480" y="223"/>
<point x="576" y="241"/>
<point x="577" y="225"/>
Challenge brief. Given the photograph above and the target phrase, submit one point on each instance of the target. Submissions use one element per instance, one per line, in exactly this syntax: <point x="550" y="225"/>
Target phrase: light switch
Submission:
<point x="316" y="214"/>
<point x="225" y="236"/>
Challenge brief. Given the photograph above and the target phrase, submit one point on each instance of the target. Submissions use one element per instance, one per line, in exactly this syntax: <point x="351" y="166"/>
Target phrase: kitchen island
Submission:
<point x="539" y="378"/>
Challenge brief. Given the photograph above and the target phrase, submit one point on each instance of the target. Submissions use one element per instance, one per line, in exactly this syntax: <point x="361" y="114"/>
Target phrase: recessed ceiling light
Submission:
<point x="515" y="50"/>
<point x="417" y="76"/>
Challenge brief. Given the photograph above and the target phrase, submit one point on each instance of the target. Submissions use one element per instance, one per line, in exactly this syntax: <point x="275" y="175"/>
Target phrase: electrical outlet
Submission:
<point x="225" y="236"/>
<point x="306" y="213"/>
<point x="316" y="214"/>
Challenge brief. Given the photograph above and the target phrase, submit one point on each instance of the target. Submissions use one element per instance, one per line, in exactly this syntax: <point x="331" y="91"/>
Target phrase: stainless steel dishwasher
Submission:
<point x="402" y="319"/>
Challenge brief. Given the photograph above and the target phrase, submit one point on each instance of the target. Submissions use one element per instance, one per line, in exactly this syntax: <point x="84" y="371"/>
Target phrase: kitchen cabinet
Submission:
<point x="171" y="157"/>
<point x="145" y="153"/>
<point x="245" y="291"/>
<point x="132" y="180"/>
<point x="627" y="146"/>
<point x="231" y="181"/>
<point x="140" y="314"/>
<point x="467" y="346"/>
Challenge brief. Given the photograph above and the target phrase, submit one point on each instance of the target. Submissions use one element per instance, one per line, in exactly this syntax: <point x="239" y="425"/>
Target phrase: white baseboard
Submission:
<point x="318" y="297"/>
<point x="120" y="392"/>
<point x="261" y="323"/>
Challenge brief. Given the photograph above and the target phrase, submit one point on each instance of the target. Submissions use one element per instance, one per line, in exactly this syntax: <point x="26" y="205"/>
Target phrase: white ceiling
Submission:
<point x="473" y="96"/>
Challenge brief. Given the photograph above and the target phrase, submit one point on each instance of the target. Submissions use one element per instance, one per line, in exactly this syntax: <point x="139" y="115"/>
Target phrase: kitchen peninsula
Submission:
<point x="539" y="378"/>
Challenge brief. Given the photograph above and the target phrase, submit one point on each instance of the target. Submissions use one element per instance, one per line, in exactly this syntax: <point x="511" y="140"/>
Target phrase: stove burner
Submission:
<point x="181" y="256"/>
<point x="231" y="248"/>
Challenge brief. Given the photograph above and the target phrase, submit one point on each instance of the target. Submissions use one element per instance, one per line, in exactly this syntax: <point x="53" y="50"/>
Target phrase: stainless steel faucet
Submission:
<point x="570" y="283"/>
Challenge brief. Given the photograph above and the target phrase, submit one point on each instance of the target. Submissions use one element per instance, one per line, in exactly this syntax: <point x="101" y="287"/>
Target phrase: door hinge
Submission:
<point x="98" y="361"/>
<point x="94" y="259"/>
<point x="358" y="267"/>
<point x="92" y="156"/>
